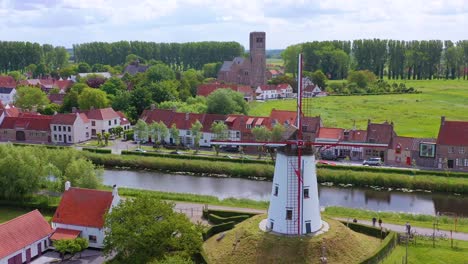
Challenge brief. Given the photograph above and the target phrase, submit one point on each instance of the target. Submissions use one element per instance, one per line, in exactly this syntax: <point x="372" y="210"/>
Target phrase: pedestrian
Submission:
<point x="354" y="220"/>
<point x="408" y="228"/>
<point x="373" y="221"/>
<point x="380" y="222"/>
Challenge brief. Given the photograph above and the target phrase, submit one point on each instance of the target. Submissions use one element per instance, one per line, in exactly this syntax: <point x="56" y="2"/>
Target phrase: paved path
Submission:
<point x="419" y="230"/>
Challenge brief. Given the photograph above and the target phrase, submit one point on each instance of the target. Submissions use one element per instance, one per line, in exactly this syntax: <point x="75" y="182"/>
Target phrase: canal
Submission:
<point x="383" y="200"/>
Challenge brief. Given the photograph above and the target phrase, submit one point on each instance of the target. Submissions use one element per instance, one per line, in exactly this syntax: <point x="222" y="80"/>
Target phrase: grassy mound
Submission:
<point x="255" y="246"/>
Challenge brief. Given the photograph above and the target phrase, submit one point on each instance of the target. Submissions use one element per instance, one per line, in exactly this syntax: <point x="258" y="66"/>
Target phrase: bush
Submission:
<point x="223" y="213"/>
<point x="367" y="230"/>
<point x="39" y="145"/>
<point x="217" y="229"/>
<point x="98" y="150"/>
<point x="215" y="219"/>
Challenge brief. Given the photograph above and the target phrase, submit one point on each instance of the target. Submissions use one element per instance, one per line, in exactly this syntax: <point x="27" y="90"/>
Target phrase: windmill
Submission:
<point x="294" y="204"/>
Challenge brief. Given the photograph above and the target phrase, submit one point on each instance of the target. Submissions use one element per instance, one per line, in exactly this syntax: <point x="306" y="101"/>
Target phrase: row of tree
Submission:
<point x="16" y="55"/>
<point x="183" y="55"/>
<point x="394" y="58"/>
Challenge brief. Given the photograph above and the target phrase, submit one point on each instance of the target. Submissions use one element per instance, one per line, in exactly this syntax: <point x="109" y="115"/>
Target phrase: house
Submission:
<point x="208" y="88"/>
<point x="81" y="213"/>
<point x="452" y="145"/>
<point x="124" y="123"/>
<point x="423" y="152"/>
<point x="380" y="134"/>
<point x="102" y="120"/>
<point x="400" y="152"/>
<point x="313" y="90"/>
<point x="26" y="127"/>
<point x="47" y="84"/>
<point x="70" y="128"/>
<point x="284" y="90"/>
<point x="240" y="126"/>
<point x="24" y="238"/>
<point x="266" y="92"/>
<point x="247" y="71"/>
<point x="7" y="89"/>
<point x="56" y="98"/>
<point x="135" y="68"/>
<point x="273" y="73"/>
<point x="310" y="127"/>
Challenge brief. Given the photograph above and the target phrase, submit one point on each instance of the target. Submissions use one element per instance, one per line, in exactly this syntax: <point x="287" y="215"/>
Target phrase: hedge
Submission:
<point x="194" y="157"/>
<point x="39" y="145"/>
<point x="218" y="229"/>
<point x="389" y="242"/>
<point x="43" y="207"/>
<point x="225" y="213"/>
<point x="215" y="219"/>
<point x="98" y="150"/>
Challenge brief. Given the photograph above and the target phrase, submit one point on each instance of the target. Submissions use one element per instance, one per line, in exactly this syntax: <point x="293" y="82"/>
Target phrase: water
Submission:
<point x="416" y="202"/>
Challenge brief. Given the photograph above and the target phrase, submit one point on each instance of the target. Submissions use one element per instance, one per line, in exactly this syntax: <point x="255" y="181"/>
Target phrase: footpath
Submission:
<point x="194" y="212"/>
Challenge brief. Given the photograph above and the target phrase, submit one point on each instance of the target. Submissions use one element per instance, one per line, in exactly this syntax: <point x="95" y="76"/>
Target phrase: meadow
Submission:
<point x="414" y="115"/>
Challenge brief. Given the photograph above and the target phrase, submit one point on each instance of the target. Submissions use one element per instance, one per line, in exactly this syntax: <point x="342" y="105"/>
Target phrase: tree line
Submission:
<point x="181" y="55"/>
<point x="395" y="59"/>
<point x="17" y="55"/>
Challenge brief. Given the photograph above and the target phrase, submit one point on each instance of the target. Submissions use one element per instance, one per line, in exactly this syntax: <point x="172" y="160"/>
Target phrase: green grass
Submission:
<point x="275" y="62"/>
<point x="445" y="223"/>
<point x="94" y="143"/>
<point x="8" y="213"/>
<point x="415" y="115"/>
<point x="255" y="246"/>
<point x="423" y="252"/>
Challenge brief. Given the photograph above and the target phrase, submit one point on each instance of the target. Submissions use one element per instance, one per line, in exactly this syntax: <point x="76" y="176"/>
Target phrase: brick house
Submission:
<point x="81" y="213"/>
<point x="310" y="127"/>
<point x="423" y="152"/>
<point x="452" y="145"/>
<point x="380" y="134"/>
<point x="400" y="152"/>
<point x="24" y="238"/>
<point x="27" y="128"/>
<point x="70" y="128"/>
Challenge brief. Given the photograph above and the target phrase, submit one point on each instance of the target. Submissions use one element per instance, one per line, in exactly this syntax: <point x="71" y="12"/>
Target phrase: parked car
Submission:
<point x="373" y="162"/>
<point x="176" y="152"/>
<point x="140" y="150"/>
<point x="328" y="155"/>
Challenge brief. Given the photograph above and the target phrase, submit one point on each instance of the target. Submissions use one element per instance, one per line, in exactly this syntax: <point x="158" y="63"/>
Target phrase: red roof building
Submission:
<point x="24" y="237"/>
<point x="329" y="134"/>
<point x="56" y="98"/>
<point x="26" y="127"/>
<point x="84" y="210"/>
<point x="452" y="145"/>
<point x="7" y="82"/>
<point x="208" y="88"/>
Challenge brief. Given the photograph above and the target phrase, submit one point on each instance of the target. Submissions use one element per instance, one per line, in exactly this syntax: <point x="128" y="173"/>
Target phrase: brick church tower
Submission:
<point x="257" y="59"/>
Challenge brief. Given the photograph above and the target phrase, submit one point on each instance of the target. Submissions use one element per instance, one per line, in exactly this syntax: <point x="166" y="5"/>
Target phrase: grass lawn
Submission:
<point x="423" y="252"/>
<point x="276" y="62"/>
<point x="94" y="143"/>
<point x="256" y="246"/>
<point x="415" y="115"/>
<point x="8" y="213"/>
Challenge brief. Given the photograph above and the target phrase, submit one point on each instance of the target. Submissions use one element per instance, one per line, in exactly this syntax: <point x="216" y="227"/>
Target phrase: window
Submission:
<point x="306" y="193"/>
<point x="60" y="137"/>
<point x="92" y="239"/>
<point x="427" y="150"/>
<point x="276" y="191"/>
<point x="188" y="133"/>
<point x="259" y="40"/>
<point x="60" y="128"/>
<point x="466" y="162"/>
<point x="87" y="134"/>
<point x="304" y="128"/>
<point x="55" y="137"/>
<point x="457" y="162"/>
<point x="69" y="139"/>
<point x="64" y="128"/>
<point x="110" y="122"/>
<point x="55" y="128"/>
<point x="237" y="134"/>
<point x="248" y="126"/>
<point x="288" y="214"/>
<point x="368" y="152"/>
<point x="93" y="123"/>
<point x="69" y="129"/>
<point x="451" y="150"/>
<point x="461" y="150"/>
<point x="115" y="121"/>
<point x="271" y="225"/>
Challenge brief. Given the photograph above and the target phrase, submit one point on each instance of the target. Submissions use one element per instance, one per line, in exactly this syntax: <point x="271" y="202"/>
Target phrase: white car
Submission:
<point x="373" y="162"/>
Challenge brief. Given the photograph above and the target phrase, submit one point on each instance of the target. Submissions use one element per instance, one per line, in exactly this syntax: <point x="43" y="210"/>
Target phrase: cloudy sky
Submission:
<point x="64" y="22"/>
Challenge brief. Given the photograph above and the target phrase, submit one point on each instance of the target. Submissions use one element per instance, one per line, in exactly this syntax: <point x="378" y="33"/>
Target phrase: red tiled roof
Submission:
<point x="83" y="207"/>
<point x="84" y="118"/>
<point x="64" y="119"/>
<point x="380" y="133"/>
<point x="357" y="135"/>
<point x="207" y="89"/>
<point x="123" y="119"/>
<point x="22" y="231"/>
<point x="62" y="233"/>
<point x="267" y="87"/>
<point x="12" y="111"/>
<point x="27" y="122"/>
<point x="283" y="86"/>
<point x="313" y="124"/>
<point x="281" y="116"/>
<point x="101" y="114"/>
<point x="331" y="133"/>
<point x="453" y="133"/>
<point x="405" y="143"/>
<point x="7" y="82"/>
<point x="64" y="84"/>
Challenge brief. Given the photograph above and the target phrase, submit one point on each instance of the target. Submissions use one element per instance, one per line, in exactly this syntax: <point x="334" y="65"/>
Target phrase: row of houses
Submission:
<point x="81" y="213"/>
<point x="59" y="128"/>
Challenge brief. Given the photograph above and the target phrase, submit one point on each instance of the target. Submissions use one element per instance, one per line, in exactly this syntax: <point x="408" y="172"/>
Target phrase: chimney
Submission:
<point x="67" y="185"/>
<point x="115" y="191"/>
<point x="187" y="115"/>
<point x="55" y="112"/>
<point x="354" y="124"/>
<point x="153" y="106"/>
<point x="74" y="109"/>
<point x="442" y="120"/>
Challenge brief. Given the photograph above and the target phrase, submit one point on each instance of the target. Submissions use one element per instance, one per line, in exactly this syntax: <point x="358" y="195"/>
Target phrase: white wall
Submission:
<point x="85" y="233"/>
<point x="33" y="248"/>
<point x="101" y="125"/>
<point x="79" y="132"/>
<point x="8" y="98"/>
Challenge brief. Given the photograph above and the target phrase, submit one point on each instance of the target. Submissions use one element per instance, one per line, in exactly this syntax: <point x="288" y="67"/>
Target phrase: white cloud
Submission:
<point x="64" y="22"/>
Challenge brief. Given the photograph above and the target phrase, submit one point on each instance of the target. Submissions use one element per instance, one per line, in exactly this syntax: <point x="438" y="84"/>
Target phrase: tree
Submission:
<point x="210" y="70"/>
<point x="16" y="75"/>
<point x="174" y="132"/>
<point x="226" y="101"/>
<point x="160" y="72"/>
<point x="196" y="134"/>
<point x="319" y="79"/>
<point x="99" y="139"/>
<point x="92" y="98"/>
<point x="141" y="130"/>
<point x="50" y="109"/>
<point x="106" y="138"/>
<point x="71" y="246"/>
<point x="113" y="86"/>
<point x="261" y="134"/>
<point x="173" y="259"/>
<point x="30" y="98"/>
<point x="164" y="90"/>
<point x="140" y="99"/>
<point x="83" y="67"/>
<point x="158" y="131"/>
<point x="362" y="78"/>
<point x="143" y="229"/>
<point x="117" y="131"/>
<point x="219" y="129"/>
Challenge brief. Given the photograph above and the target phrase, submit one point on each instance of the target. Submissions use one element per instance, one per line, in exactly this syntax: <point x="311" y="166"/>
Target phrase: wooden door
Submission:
<point x="39" y="249"/>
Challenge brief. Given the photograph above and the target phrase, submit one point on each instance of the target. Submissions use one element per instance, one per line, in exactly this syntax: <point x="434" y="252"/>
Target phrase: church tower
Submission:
<point x="257" y="58"/>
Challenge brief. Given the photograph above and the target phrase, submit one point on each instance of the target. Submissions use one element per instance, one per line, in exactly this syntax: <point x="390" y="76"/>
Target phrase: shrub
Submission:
<point x="98" y="150"/>
<point x="217" y="229"/>
<point x="215" y="219"/>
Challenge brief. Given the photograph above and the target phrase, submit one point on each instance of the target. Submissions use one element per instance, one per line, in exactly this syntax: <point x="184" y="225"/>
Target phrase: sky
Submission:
<point x="286" y="22"/>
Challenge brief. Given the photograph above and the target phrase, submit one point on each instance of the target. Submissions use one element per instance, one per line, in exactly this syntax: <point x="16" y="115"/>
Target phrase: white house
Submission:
<point x="7" y="95"/>
<point x="70" y="128"/>
<point x="266" y="92"/>
<point x="313" y="91"/>
<point x="284" y="90"/>
<point x="81" y="213"/>
<point x="23" y="238"/>
<point x="102" y="120"/>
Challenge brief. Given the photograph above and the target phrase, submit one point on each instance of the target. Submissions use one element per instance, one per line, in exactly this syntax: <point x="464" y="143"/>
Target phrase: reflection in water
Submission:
<point x="425" y="203"/>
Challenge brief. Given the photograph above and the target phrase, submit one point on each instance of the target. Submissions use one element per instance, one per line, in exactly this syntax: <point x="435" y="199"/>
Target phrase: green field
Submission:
<point x="8" y="213"/>
<point x="275" y="62"/>
<point x="423" y="252"/>
<point x="416" y="115"/>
